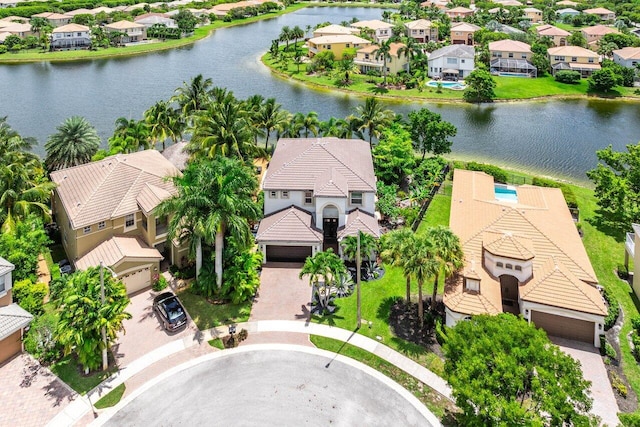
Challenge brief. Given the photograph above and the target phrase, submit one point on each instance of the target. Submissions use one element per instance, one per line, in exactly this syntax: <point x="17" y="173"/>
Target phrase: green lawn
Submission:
<point x="437" y="404"/>
<point x="207" y="315"/>
<point x="112" y="398"/>
<point x="217" y="343"/>
<point x="69" y="371"/>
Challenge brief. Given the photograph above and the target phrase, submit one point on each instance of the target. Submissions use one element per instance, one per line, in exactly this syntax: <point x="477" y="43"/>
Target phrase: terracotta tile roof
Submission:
<point x="14" y="19"/>
<point x="551" y="31"/>
<point x="109" y="188"/>
<point x="487" y="301"/>
<point x="79" y="12"/>
<point x="454" y="50"/>
<point x="572" y="51"/>
<point x="579" y="66"/>
<point x="539" y="222"/>
<point x="508" y="245"/>
<point x="16" y="28"/>
<point x="509" y="46"/>
<point x="460" y="9"/>
<point x="5" y="266"/>
<point x="150" y="196"/>
<point x="531" y="9"/>
<point x="298" y="163"/>
<point x="598" y="11"/>
<point x="628" y="53"/>
<point x="555" y="285"/>
<point x="374" y="24"/>
<point x="332" y="29"/>
<point x="12" y="319"/>
<point x="566" y="3"/>
<point x="358" y="220"/>
<point x="464" y="26"/>
<point x="70" y="28"/>
<point x="52" y="15"/>
<point x="419" y="24"/>
<point x="115" y="250"/>
<point x="393" y="51"/>
<point x="123" y="25"/>
<point x="177" y="154"/>
<point x="333" y="184"/>
<point x="289" y="225"/>
<point x="599" y="30"/>
<point x="340" y="38"/>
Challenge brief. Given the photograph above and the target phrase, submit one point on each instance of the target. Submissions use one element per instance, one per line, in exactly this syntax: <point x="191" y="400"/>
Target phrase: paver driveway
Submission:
<point x="282" y="295"/>
<point x="30" y="394"/>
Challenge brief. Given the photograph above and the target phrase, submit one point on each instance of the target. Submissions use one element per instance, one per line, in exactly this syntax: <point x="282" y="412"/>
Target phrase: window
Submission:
<point x="499" y="264"/>
<point x="285" y="194"/>
<point x="462" y="61"/>
<point x="273" y="194"/>
<point x="308" y="197"/>
<point x="348" y="45"/>
<point x="510" y="55"/>
<point x="509" y="267"/>
<point x="129" y="221"/>
<point x="524" y="56"/>
<point x="102" y="225"/>
<point x="144" y="222"/>
<point x="452" y="60"/>
<point x="87" y="229"/>
<point x="518" y="268"/>
<point x="591" y="61"/>
<point x="3" y="286"/>
<point x="356" y="198"/>
<point x="472" y="285"/>
<point x="162" y="225"/>
<point x="574" y="59"/>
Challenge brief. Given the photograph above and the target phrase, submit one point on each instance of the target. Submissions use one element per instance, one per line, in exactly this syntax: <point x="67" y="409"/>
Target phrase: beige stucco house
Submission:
<point x="335" y="30"/>
<point x="367" y="61"/>
<point x="422" y="30"/>
<point x="557" y="35"/>
<point x="523" y="255"/>
<point x="13" y="318"/>
<point x="462" y="33"/>
<point x="533" y="14"/>
<point x="131" y="31"/>
<point x="105" y="211"/>
<point x="512" y="57"/>
<point x="573" y="58"/>
<point x="335" y="44"/>
<point x="71" y="36"/>
<point x="595" y="33"/>
<point x="316" y="192"/>
<point x="458" y="13"/>
<point x="55" y="19"/>
<point x="381" y="30"/>
<point x="604" y="14"/>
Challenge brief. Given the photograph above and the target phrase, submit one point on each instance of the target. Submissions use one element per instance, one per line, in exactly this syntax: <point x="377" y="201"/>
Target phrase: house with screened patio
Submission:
<point x="522" y="255"/>
<point x="317" y="191"/>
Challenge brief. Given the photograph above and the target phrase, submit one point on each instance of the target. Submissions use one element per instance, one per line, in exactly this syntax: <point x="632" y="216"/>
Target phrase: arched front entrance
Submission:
<point x="330" y="215"/>
<point x="509" y="294"/>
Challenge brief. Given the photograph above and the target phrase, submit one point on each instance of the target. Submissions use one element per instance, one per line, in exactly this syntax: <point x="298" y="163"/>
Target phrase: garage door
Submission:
<point x="288" y="253"/>
<point x="137" y="281"/>
<point x="564" y="327"/>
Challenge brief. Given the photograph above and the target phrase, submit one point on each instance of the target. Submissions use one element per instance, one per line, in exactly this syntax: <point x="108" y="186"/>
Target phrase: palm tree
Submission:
<point x="214" y="197"/>
<point x="310" y="123"/>
<point x="373" y="117"/>
<point x="346" y="66"/>
<point x="410" y="50"/>
<point x="285" y="36"/>
<point x="271" y="117"/>
<point x="422" y="265"/>
<point x="193" y="96"/>
<point x="447" y="252"/>
<point x="368" y="246"/>
<point x="384" y="52"/>
<point x="135" y="133"/>
<point x="395" y="247"/>
<point x="164" y="122"/>
<point x="325" y="266"/>
<point x="74" y="144"/>
<point x="296" y="33"/>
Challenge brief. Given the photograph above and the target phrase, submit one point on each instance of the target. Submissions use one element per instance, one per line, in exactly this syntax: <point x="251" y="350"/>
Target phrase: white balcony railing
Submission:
<point x="630" y="245"/>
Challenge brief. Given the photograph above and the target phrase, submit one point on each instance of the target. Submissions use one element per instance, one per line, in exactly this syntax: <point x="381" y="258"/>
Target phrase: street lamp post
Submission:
<point x="105" y="359"/>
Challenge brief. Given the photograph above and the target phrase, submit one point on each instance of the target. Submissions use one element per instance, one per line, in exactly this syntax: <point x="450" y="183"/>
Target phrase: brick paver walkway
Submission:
<point x="282" y="295"/>
<point x="30" y="394"/>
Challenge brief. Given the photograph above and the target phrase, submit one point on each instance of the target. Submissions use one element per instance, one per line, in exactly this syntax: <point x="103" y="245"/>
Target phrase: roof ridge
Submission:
<point x="97" y="187"/>
<point x="137" y="178"/>
<point x="345" y="165"/>
<point x="291" y="209"/>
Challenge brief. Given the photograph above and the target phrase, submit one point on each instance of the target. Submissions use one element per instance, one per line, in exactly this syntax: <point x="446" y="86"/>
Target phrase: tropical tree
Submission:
<point x="384" y="52"/>
<point x="447" y="252"/>
<point x="480" y="86"/>
<point x="310" y="124"/>
<point x="215" y="197"/>
<point x="193" y="96"/>
<point x="164" y="122"/>
<point x="430" y="133"/>
<point x="395" y="246"/>
<point x="285" y="36"/>
<point x="271" y="117"/>
<point x="373" y="117"/>
<point x="422" y="264"/>
<point x="368" y="246"/>
<point x="324" y="267"/>
<point x="345" y="67"/>
<point x="393" y="156"/>
<point x="83" y="315"/>
<point x="410" y="50"/>
<point x="74" y="144"/>
<point x="296" y="33"/>
<point x="130" y="136"/>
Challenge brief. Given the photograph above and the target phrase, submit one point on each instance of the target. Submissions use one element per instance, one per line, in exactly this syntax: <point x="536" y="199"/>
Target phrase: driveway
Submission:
<point x="144" y="332"/>
<point x="604" y="402"/>
<point x="30" y="394"/>
<point x="282" y="295"/>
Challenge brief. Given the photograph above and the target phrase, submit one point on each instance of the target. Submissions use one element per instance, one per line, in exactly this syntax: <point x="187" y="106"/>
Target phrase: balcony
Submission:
<point x="630" y="245"/>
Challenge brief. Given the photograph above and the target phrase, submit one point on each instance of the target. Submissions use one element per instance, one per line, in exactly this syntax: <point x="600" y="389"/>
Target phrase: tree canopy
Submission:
<point x="393" y="156"/>
<point x="480" y="86"/>
<point x="430" y="133"/>
<point x="504" y="371"/>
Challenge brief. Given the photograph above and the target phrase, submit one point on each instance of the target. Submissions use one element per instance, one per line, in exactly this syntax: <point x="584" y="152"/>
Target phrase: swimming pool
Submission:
<point x="506" y="193"/>
<point x="508" y="74"/>
<point x="448" y="85"/>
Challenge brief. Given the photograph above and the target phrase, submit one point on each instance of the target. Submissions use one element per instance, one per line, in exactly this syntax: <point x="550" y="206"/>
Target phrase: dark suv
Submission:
<point x="170" y="310"/>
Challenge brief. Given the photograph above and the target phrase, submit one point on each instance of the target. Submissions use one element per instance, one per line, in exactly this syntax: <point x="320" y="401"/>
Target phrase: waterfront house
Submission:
<point x="557" y="35"/>
<point x="335" y="30"/>
<point x="522" y="255"/>
<point x="336" y="44"/>
<point x="632" y="251"/>
<point x="130" y="32"/>
<point x="511" y="57"/>
<point x="13" y="318"/>
<point x="105" y="211"/>
<point x="462" y="33"/>
<point x="573" y="58"/>
<point x="367" y="61"/>
<point x="151" y="19"/>
<point x="627" y="57"/>
<point x="561" y="13"/>
<point x="595" y="33"/>
<point x="533" y="15"/>
<point x="459" y="13"/>
<point x="316" y="192"/>
<point x="604" y="14"/>
<point x="452" y="62"/>
<point x="15" y="28"/>
<point x="71" y="36"/>
<point x="55" y="19"/>
<point x="422" y="31"/>
<point x="381" y="30"/>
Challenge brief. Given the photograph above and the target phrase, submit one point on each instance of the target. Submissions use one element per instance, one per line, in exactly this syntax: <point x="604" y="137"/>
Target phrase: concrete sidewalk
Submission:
<point x="78" y="409"/>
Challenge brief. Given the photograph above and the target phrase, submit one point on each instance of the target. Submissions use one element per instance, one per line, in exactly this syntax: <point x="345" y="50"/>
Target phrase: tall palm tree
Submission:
<point x="422" y="265"/>
<point x="164" y="122"/>
<point x="310" y="123"/>
<point x="193" y="96"/>
<point x="373" y="117"/>
<point x="395" y="247"/>
<point x="74" y="144"/>
<point x="384" y="52"/>
<point x="271" y="117"/>
<point x="296" y="33"/>
<point x="368" y="246"/>
<point x="135" y="133"/>
<point x="215" y="197"/>
<point x="447" y="252"/>
<point x="325" y="266"/>
<point x="285" y="36"/>
<point x="410" y="50"/>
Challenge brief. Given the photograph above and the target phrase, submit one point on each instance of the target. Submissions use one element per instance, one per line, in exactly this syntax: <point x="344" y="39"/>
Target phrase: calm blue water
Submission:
<point x="506" y="193"/>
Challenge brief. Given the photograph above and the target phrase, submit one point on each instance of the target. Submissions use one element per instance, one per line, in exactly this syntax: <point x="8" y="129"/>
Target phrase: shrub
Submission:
<point x="635" y="340"/>
<point x="567" y="192"/>
<point x="160" y="284"/>
<point x="614" y="310"/>
<point x="56" y="287"/>
<point x="409" y="214"/>
<point x="607" y="349"/>
<point x="441" y="332"/>
<point x="629" y="420"/>
<point x="30" y="296"/>
<point x="635" y="322"/>
<point x="498" y="174"/>
<point x="618" y="385"/>
<point x="567" y="76"/>
<point x="40" y="341"/>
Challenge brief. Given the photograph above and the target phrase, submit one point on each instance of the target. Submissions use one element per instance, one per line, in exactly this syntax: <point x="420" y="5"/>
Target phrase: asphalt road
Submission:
<point x="272" y="388"/>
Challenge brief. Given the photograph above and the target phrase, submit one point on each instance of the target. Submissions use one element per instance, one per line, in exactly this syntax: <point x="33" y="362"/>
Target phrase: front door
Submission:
<point x="330" y="229"/>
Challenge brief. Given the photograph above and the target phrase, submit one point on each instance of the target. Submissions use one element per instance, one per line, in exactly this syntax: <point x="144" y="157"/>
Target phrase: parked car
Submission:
<point x="65" y="266"/>
<point x="170" y="310"/>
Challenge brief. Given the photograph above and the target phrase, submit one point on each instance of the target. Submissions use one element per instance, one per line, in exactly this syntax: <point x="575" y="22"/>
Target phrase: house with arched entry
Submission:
<point x="523" y="255"/>
<point x="316" y="192"/>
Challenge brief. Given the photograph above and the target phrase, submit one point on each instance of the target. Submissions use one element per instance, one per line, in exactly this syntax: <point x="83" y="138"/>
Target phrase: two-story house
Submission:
<point x="533" y="14"/>
<point x="13" y="318"/>
<point x="316" y="192"/>
<point x="71" y="36"/>
<point x="381" y="30"/>
<point x="557" y="35"/>
<point x="604" y="14"/>
<point x="151" y="19"/>
<point x="335" y="30"/>
<point x="452" y="62"/>
<point x="627" y="57"/>
<point x="55" y="19"/>
<point x="130" y="31"/>
<point x="511" y="57"/>
<point x="462" y="33"/>
<point x="105" y="211"/>
<point x="336" y="44"/>
<point x="459" y="13"/>
<point x="422" y="30"/>
<point x="594" y="33"/>
<point x="573" y="58"/>
<point x="367" y="59"/>
<point x="522" y="255"/>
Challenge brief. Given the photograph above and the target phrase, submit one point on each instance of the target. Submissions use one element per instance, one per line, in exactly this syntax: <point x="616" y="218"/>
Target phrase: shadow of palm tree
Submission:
<point x="378" y="90"/>
<point x="328" y="319"/>
<point x="384" y="309"/>
<point x="408" y="348"/>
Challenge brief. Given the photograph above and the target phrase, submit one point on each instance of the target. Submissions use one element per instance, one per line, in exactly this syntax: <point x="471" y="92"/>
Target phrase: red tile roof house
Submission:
<point x="316" y="192"/>
<point x="13" y="318"/>
<point x="523" y="255"/>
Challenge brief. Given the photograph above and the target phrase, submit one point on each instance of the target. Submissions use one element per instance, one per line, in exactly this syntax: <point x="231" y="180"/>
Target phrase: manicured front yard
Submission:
<point x="112" y="398"/>
<point x="68" y="370"/>
<point x="207" y="315"/>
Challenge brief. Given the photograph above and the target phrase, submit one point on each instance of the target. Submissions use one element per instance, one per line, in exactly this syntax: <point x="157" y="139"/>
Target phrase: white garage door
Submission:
<point x="137" y="281"/>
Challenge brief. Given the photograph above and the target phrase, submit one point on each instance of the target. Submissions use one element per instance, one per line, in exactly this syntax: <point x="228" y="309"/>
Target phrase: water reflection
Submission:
<point x="480" y="116"/>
